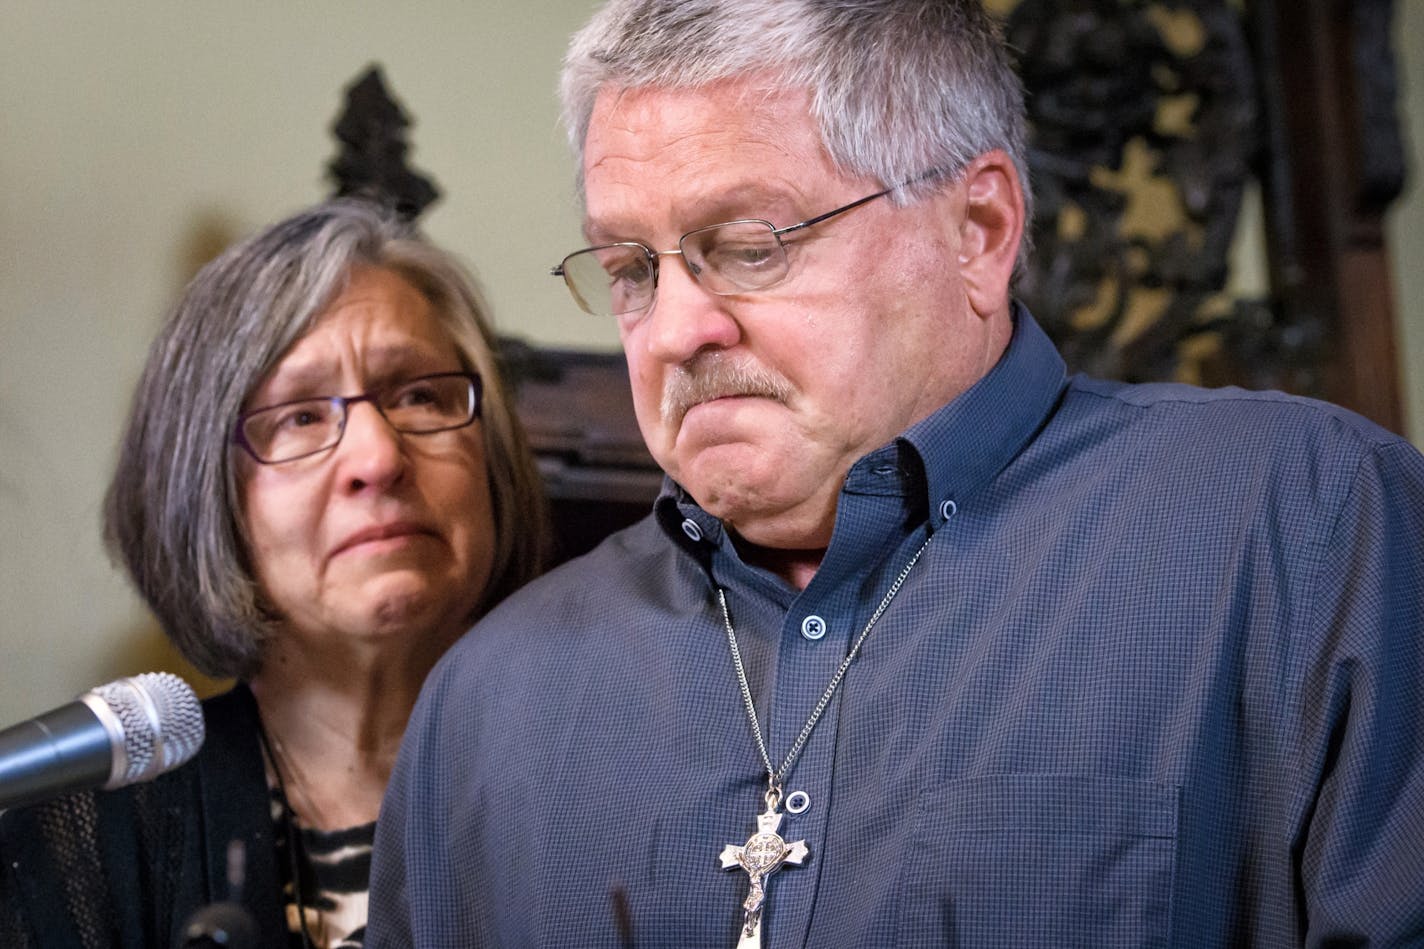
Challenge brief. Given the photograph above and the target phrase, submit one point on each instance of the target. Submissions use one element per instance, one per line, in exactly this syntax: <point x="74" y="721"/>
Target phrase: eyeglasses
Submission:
<point x="420" y="406"/>
<point x="735" y="257"/>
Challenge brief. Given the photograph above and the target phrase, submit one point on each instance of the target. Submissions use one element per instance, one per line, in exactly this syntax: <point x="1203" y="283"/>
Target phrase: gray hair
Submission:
<point x="898" y="87"/>
<point x="173" y="515"/>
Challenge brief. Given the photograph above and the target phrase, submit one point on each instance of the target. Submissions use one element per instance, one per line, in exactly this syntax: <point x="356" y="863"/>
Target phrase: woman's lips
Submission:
<point x="379" y="534"/>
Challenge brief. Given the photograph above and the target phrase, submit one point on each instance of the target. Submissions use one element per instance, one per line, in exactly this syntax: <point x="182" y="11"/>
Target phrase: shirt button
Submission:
<point x="690" y="528"/>
<point x="797" y="801"/>
<point x="813" y="627"/>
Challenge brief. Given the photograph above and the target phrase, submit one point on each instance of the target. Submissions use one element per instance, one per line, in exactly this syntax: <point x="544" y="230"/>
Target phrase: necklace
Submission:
<point x="765" y="851"/>
<point x="291" y="834"/>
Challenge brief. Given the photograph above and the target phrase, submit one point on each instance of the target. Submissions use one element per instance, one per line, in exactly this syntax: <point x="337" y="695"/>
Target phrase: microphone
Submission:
<point x="127" y="731"/>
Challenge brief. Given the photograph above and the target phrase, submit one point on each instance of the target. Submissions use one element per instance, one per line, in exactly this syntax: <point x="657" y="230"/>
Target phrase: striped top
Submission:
<point x="334" y="870"/>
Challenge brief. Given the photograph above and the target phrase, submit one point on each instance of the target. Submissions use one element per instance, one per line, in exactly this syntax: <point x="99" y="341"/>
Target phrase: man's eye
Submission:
<point x="740" y="256"/>
<point x="633" y="273"/>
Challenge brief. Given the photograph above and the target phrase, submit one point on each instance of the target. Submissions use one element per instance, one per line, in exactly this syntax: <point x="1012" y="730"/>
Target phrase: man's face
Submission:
<point x="758" y="403"/>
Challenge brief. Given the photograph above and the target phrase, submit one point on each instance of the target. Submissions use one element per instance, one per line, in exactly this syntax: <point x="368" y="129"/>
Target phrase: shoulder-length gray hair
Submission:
<point x="172" y="514"/>
<point x="898" y="87"/>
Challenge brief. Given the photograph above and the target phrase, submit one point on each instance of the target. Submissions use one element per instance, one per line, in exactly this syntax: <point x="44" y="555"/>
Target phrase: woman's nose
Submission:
<point x="371" y="451"/>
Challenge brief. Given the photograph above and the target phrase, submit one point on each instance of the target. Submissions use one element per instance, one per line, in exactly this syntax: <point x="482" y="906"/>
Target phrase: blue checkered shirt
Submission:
<point x="1155" y="682"/>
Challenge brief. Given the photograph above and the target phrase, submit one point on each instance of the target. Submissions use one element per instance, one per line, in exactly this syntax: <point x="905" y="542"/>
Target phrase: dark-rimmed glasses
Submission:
<point x="734" y="257"/>
<point x="419" y="406"/>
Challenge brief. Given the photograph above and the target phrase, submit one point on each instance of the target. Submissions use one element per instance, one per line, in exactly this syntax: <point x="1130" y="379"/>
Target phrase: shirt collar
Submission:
<point x="964" y="445"/>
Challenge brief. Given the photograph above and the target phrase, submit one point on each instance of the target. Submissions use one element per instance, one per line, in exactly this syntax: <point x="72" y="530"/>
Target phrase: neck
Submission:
<point x="334" y="730"/>
<point x="795" y="566"/>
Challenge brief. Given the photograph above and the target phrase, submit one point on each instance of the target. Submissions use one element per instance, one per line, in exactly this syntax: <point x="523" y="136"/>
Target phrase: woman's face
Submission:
<point x="386" y="539"/>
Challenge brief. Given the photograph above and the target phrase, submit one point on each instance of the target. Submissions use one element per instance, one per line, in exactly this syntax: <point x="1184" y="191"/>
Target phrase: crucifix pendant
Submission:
<point x="761" y="856"/>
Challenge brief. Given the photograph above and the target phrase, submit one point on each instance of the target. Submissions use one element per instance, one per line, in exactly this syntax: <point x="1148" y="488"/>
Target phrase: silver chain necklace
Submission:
<point x="765" y="851"/>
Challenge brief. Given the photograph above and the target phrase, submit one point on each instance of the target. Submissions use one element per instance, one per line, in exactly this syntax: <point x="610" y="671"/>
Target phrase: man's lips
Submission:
<point x="380" y="532"/>
<point x="724" y="397"/>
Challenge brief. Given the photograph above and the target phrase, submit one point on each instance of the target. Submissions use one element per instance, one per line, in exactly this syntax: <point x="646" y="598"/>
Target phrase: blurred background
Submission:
<point x="136" y="140"/>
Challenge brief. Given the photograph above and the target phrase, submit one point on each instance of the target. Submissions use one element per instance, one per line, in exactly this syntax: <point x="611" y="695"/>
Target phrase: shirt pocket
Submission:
<point x="1041" y="860"/>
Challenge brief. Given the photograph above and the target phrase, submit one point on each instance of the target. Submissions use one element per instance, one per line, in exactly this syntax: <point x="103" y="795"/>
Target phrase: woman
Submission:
<point x="321" y="486"/>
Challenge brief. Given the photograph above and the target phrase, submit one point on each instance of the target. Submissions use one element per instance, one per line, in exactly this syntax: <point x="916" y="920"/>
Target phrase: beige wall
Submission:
<point x="1406" y="223"/>
<point x="135" y="138"/>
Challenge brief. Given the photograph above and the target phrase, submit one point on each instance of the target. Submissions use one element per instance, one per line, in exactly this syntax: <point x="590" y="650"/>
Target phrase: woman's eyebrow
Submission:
<point x="319" y="377"/>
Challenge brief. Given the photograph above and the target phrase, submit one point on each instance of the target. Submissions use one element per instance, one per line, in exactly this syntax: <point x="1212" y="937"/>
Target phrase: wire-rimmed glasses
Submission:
<point x="734" y="257"/>
<point x="419" y="406"/>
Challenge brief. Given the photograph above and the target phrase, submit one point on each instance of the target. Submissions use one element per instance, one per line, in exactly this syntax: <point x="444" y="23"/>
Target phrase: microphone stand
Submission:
<point x="225" y="924"/>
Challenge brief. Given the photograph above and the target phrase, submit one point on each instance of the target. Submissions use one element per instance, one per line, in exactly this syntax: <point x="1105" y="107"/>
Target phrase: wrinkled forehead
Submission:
<point x="379" y="325"/>
<point x="641" y="120"/>
<point x="724" y="141"/>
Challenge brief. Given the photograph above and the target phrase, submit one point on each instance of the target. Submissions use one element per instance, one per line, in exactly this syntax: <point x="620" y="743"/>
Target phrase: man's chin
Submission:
<point x="728" y="481"/>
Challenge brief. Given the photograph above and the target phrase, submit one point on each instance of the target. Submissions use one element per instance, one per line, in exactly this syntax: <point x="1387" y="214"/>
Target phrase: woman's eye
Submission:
<point x="417" y="394"/>
<point x="299" y="417"/>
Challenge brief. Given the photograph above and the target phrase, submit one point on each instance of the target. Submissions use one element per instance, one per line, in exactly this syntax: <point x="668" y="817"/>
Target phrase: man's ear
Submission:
<point x="990" y="232"/>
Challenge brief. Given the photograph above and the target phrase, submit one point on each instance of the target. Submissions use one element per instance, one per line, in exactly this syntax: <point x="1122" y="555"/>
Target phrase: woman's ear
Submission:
<point x="991" y="230"/>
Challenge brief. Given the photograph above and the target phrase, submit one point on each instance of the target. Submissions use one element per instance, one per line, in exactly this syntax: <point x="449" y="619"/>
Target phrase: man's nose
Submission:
<point x="686" y="317"/>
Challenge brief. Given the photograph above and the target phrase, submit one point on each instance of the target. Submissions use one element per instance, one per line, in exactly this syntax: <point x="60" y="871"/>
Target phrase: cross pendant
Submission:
<point x="761" y="856"/>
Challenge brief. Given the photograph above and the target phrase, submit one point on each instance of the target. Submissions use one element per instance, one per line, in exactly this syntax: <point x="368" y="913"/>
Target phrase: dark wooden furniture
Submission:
<point x="578" y="411"/>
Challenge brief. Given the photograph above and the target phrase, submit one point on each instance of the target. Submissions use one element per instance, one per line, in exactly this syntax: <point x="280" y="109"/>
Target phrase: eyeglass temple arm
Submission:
<point x="932" y="173"/>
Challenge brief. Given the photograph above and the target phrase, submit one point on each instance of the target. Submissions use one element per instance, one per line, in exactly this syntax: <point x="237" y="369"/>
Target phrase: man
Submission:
<point x="924" y="643"/>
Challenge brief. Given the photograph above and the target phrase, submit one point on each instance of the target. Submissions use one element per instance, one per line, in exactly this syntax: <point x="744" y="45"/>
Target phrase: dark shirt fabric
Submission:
<point x="1155" y="682"/>
<point x="125" y="869"/>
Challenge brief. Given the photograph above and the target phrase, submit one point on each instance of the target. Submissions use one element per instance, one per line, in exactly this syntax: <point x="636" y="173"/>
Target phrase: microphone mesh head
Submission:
<point x="162" y="723"/>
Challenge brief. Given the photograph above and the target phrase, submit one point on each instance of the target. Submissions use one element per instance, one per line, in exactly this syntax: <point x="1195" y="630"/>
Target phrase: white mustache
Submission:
<point x="713" y="376"/>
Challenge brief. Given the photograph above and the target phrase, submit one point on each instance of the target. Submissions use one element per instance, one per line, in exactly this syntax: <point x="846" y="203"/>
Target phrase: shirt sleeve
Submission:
<point x="1361" y="856"/>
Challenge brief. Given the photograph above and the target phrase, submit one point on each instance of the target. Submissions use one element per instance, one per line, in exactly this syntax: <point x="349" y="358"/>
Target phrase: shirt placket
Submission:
<point x="817" y="632"/>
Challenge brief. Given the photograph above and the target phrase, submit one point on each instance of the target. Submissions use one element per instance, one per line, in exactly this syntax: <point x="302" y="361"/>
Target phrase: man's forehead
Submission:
<point x="696" y="156"/>
<point x="642" y="124"/>
<point x="625" y="212"/>
<point x="747" y="95"/>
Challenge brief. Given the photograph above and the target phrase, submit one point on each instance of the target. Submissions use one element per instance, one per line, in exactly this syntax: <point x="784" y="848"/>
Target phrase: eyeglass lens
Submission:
<point x="724" y="258"/>
<point x="419" y="406"/>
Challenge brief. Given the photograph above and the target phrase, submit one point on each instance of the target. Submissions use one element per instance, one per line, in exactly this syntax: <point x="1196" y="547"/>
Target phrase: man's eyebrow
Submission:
<point x="733" y="204"/>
